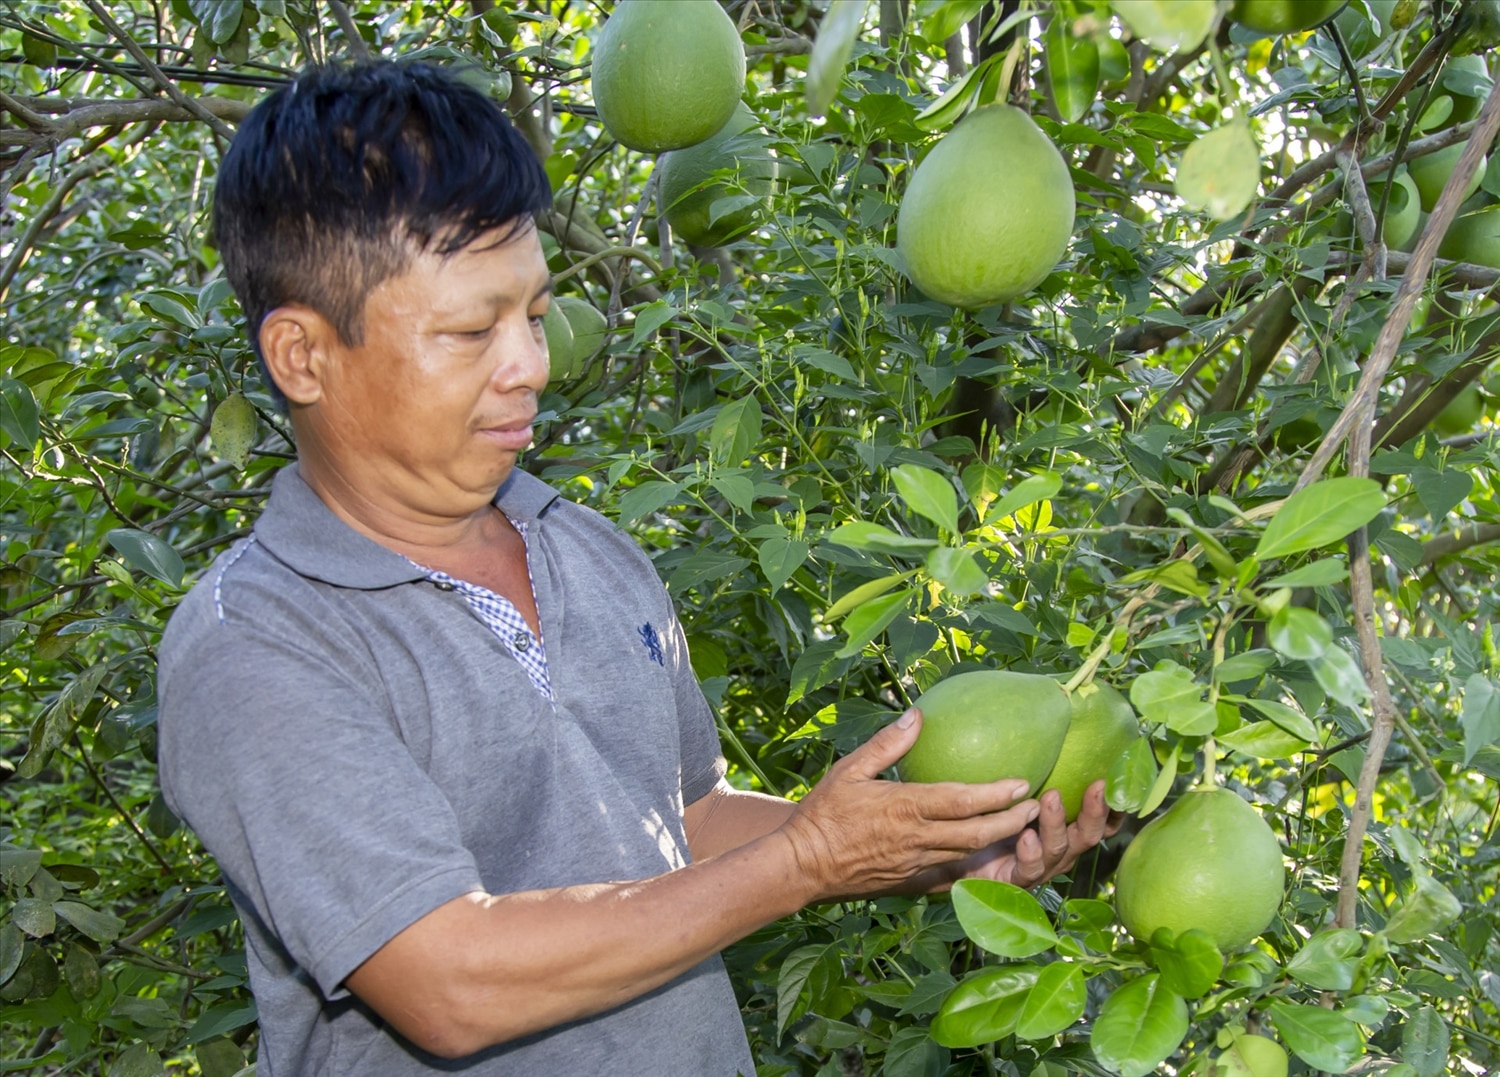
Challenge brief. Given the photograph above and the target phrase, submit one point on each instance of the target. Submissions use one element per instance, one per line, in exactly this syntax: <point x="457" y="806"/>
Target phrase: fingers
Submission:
<point x="1093" y="817"/>
<point x="884" y="748"/>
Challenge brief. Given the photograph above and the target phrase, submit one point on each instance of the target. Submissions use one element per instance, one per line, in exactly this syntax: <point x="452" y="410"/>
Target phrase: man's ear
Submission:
<point x="295" y="342"/>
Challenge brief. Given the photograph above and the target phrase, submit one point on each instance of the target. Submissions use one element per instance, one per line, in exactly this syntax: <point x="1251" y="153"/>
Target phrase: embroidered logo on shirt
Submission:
<point x="653" y="644"/>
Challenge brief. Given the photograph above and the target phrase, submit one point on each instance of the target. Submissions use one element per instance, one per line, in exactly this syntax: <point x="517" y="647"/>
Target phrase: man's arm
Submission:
<point x="485" y="969"/>
<point x="727" y="818"/>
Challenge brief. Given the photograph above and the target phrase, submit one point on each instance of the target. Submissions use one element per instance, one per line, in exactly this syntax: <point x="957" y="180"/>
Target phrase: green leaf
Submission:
<point x="942" y="20"/>
<point x="1340" y="676"/>
<point x="1002" y="918"/>
<point x="1028" y="491"/>
<point x="645" y="499"/>
<point x="830" y="55"/>
<point x="1131" y="776"/>
<point x="1190" y="963"/>
<point x="1481" y="715"/>
<point x="1139" y="1026"/>
<point x="146" y="553"/>
<point x="232" y="430"/>
<point x="221" y="1019"/>
<point x="912" y="1053"/>
<point x="650" y="318"/>
<point x="869" y="619"/>
<point x="955" y="100"/>
<point x="1220" y="173"/>
<point x="1320" y="514"/>
<point x="1324" y="573"/>
<point x="1171" y="697"/>
<point x="875" y="538"/>
<point x="1072" y="69"/>
<point x="1246" y="666"/>
<point x="1321" y="1038"/>
<point x="1441" y="491"/>
<point x="1054" y="1003"/>
<point x="1167" y="25"/>
<point x="169" y="308"/>
<point x="957" y="571"/>
<point x="1288" y="718"/>
<point x="138" y="1060"/>
<point x="1429" y="908"/>
<point x="12" y="948"/>
<point x="736" y="432"/>
<point x="804" y="975"/>
<point x="102" y="927"/>
<point x="928" y="494"/>
<point x="1299" y="633"/>
<point x="1425" y="1041"/>
<point x="17" y="866"/>
<point x="863" y="593"/>
<point x="1327" y="960"/>
<point x="19" y="416"/>
<point x="1179" y="575"/>
<point x="779" y="558"/>
<point x="984" y="1007"/>
<point x="1164" y="782"/>
<point x="1264" y="740"/>
<point x="34" y="916"/>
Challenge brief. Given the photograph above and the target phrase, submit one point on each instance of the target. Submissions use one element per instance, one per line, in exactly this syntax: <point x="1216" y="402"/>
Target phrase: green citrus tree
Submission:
<point x="1176" y="434"/>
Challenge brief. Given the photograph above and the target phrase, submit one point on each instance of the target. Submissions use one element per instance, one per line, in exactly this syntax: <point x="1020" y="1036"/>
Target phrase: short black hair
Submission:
<point x="333" y="183"/>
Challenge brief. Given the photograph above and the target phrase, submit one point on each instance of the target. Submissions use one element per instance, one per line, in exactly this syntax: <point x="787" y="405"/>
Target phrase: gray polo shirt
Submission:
<point x="356" y="747"/>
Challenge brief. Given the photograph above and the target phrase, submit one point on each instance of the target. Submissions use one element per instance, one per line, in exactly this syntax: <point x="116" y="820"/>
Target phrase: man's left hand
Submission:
<point x="1048" y="849"/>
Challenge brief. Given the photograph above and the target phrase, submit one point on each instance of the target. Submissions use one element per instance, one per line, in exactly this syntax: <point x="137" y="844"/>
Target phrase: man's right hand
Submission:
<point x="855" y="834"/>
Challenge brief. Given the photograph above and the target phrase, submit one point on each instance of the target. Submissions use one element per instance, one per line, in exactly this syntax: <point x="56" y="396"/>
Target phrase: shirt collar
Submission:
<point x="303" y="533"/>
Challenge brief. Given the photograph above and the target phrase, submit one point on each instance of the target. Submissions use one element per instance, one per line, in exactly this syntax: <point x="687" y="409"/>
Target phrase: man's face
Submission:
<point x="432" y="409"/>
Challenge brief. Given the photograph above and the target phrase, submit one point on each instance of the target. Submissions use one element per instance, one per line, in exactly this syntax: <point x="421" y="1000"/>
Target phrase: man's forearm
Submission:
<point x="485" y="969"/>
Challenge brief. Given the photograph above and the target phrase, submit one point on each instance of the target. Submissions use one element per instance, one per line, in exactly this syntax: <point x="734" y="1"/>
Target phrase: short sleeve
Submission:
<point x="279" y="752"/>
<point x="703" y="761"/>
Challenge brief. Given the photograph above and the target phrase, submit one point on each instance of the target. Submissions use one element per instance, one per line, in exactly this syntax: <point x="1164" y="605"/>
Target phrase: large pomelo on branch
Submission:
<point x="1208" y="862"/>
<point x="1103" y="725"/>
<point x="667" y="73"/>
<point x="1430" y="172"/>
<point x="1284" y="16"/>
<point x="687" y="191"/>
<point x="988" y="212"/>
<point x="986" y="725"/>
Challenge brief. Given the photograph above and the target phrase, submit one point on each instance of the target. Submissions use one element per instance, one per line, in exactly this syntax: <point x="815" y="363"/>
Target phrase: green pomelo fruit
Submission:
<point x="688" y="190"/>
<point x="667" y="73"/>
<point x="1209" y="862"/>
<point x="1474" y="237"/>
<point x="589" y="328"/>
<point x="1103" y="725"/>
<point x="1431" y="173"/>
<point x="1461" y="415"/>
<point x="1251" y="1056"/>
<point x="1283" y="16"/>
<point x="986" y="725"/>
<point x="988" y="212"/>
<point x="559" y="336"/>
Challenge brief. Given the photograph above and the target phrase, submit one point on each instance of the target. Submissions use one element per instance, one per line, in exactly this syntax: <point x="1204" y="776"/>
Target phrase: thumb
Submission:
<point x="885" y="747"/>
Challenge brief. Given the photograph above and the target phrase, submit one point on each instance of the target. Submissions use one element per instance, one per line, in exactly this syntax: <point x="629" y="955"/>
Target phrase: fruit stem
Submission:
<point x="1210" y="764"/>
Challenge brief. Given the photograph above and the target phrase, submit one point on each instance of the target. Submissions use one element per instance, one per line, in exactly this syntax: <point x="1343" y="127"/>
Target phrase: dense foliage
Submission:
<point x="850" y="490"/>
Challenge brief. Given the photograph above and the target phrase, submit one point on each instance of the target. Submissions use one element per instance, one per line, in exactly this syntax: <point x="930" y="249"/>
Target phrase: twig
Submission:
<point x="44" y="215"/>
<point x="129" y="819"/>
<point x="1407" y="294"/>
<point x="1356" y="422"/>
<point x="357" y="47"/>
<point x="218" y="126"/>
<point x="1465" y="538"/>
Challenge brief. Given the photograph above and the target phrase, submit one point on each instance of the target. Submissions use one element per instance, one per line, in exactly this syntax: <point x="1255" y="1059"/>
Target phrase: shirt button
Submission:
<point x="442" y="585"/>
<point x="522" y="641"/>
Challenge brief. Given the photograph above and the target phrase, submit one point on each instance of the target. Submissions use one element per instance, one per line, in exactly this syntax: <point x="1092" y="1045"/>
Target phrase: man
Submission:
<point x="437" y="725"/>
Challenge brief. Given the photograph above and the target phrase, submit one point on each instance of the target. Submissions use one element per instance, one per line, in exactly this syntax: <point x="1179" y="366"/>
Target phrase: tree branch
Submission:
<point x="357" y="47"/>
<point x="1465" y="538"/>
<point x="1358" y="420"/>
<point x="219" y="127"/>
